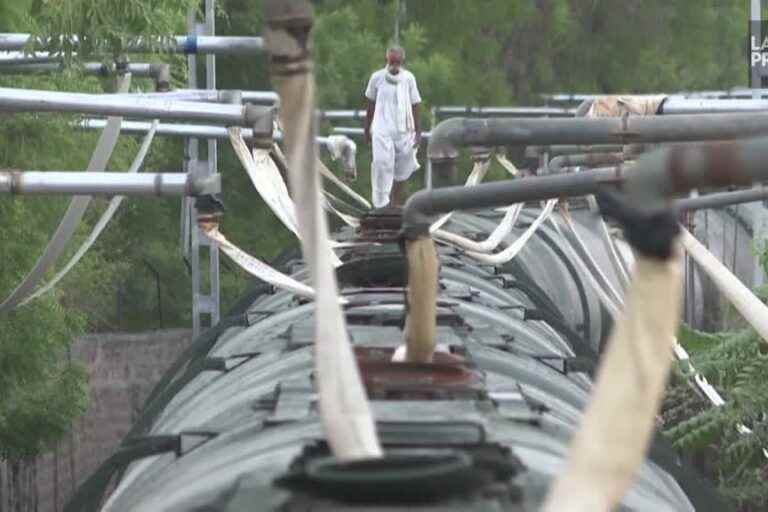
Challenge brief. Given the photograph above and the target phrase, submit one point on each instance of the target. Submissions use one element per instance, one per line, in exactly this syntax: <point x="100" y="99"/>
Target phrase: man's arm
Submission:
<point x="417" y="124"/>
<point x="369" y="119"/>
<point x="416" y="105"/>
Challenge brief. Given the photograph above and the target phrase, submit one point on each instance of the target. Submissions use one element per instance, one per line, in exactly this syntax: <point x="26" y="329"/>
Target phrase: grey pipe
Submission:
<point x="565" y="149"/>
<point x="676" y="105"/>
<point x="557" y="164"/>
<point x="721" y="199"/>
<point x="106" y="183"/>
<point x="349" y="151"/>
<point x="449" y="135"/>
<point x="160" y="72"/>
<point x="654" y="178"/>
<point x="93" y="68"/>
<point x="736" y="93"/>
<point x="358" y="132"/>
<point x="23" y="100"/>
<point x="200" y="45"/>
<point x="337" y="115"/>
<point x="267" y="98"/>
<point x="506" y="111"/>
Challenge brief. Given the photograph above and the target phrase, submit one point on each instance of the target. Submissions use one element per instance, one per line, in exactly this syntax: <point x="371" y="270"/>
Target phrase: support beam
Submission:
<point x="106" y="183"/>
<point x="190" y="45"/>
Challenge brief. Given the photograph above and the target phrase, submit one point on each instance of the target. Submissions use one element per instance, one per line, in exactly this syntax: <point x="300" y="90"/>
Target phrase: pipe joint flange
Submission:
<point x="262" y="120"/>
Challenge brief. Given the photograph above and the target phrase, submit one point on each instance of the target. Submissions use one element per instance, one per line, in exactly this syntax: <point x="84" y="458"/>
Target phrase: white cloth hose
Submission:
<point x="74" y="213"/>
<point x="479" y="171"/>
<point x="494" y="239"/>
<point x="265" y="177"/>
<point x="327" y="174"/>
<point x="259" y="269"/>
<point x="591" y="264"/>
<point x="750" y="307"/>
<point x="344" y="408"/>
<point x="114" y="204"/>
<point x="515" y="247"/>
<point x="627" y="394"/>
<point x="507" y="165"/>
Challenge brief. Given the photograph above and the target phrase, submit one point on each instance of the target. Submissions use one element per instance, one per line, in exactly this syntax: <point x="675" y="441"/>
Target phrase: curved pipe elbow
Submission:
<point x="445" y="140"/>
<point x="557" y="164"/>
<point x="417" y="214"/>
<point x="161" y="73"/>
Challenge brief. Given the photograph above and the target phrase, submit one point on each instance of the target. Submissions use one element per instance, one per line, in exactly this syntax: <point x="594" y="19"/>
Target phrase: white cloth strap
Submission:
<point x="114" y="204"/>
<point x="627" y="393"/>
<point x="266" y="179"/>
<point x="494" y="239"/>
<point x="515" y="247"/>
<point x="507" y="165"/>
<point x="479" y="170"/>
<point x="74" y="213"/>
<point x="259" y="269"/>
<point x="746" y="303"/>
<point x="343" y="403"/>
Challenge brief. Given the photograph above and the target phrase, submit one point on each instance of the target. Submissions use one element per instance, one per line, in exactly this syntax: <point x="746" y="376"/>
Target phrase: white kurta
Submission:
<point x="392" y="131"/>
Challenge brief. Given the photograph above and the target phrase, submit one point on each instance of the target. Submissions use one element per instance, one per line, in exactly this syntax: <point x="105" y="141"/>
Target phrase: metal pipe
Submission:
<point x="337" y="115"/>
<point x="564" y="149"/>
<point x="655" y="177"/>
<point x="24" y="58"/>
<point x="24" y="100"/>
<point x="721" y="199"/>
<point x="209" y="96"/>
<point x="161" y="72"/>
<point x="200" y="45"/>
<point x="202" y="132"/>
<point x="676" y="105"/>
<point x="423" y="205"/>
<point x="506" y="111"/>
<point x="106" y="183"/>
<point x="557" y="164"/>
<point x="93" y="68"/>
<point x="457" y="132"/>
<point x="358" y="132"/>
<point x="735" y="93"/>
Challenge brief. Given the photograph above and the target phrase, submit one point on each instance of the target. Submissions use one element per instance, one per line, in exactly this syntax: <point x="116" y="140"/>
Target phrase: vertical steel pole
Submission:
<point x="190" y="232"/>
<point x="759" y="215"/>
<point x="210" y="83"/>
<point x="755" y="33"/>
<point x="202" y="303"/>
<point x="428" y="172"/>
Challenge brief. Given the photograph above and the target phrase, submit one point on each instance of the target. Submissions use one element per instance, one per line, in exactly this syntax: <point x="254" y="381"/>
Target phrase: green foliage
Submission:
<point x="736" y="364"/>
<point x="105" y="28"/>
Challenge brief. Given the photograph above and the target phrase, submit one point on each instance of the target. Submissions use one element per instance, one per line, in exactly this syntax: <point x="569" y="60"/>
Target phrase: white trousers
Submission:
<point x="393" y="159"/>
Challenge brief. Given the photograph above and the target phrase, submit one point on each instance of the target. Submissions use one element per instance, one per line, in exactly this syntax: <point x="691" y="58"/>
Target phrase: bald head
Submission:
<point x="395" y="58"/>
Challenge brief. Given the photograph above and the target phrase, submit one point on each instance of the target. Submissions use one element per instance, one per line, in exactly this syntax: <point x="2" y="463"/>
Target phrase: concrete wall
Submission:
<point x="123" y="369"/>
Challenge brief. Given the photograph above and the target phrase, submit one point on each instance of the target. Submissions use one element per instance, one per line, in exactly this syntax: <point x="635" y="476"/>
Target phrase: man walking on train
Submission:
<point x="393" y="127"/>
